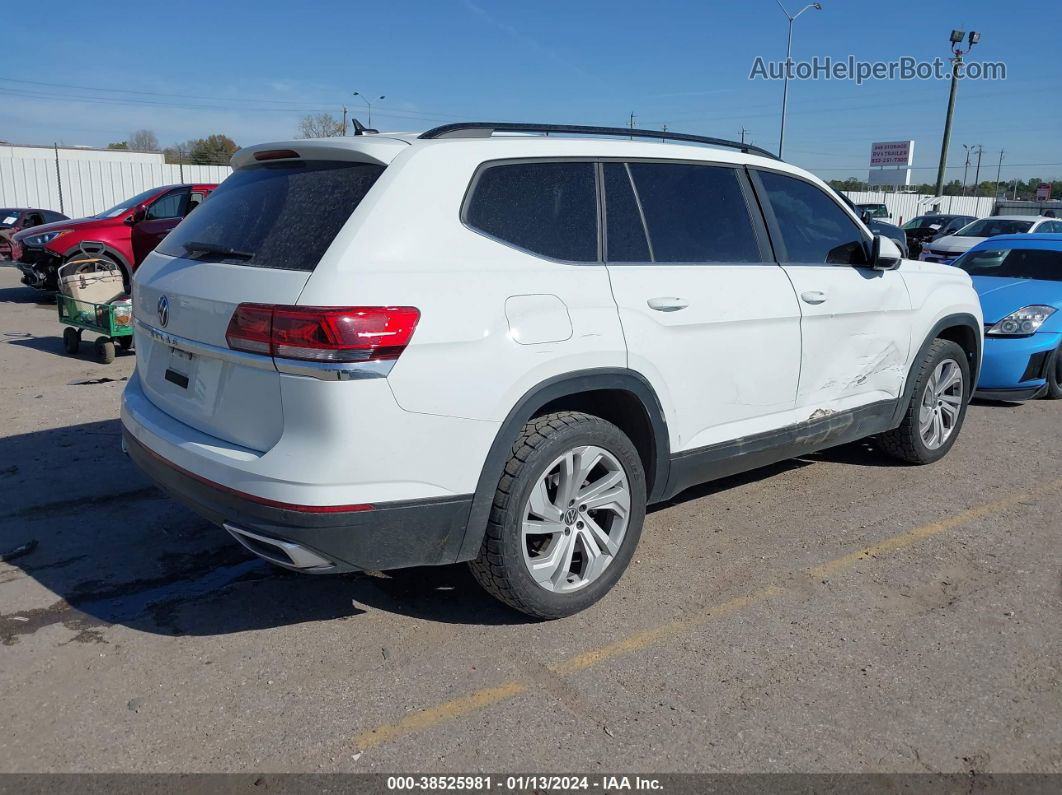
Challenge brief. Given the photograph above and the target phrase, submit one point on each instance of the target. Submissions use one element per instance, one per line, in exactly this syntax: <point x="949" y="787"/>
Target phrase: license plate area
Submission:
<point x="181" y="368"/>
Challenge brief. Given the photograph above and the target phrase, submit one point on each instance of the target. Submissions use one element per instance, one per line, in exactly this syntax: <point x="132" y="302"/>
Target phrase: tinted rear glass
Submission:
<point x="695" y="213"/>
<point x="274" y="215"/>
<point x="546" y="208"/>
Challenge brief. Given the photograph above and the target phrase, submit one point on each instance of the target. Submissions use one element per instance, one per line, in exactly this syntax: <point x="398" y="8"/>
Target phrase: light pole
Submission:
<point x="788" y="64"/>
<point x="368" y="104"/>
<point x="956" y="68"/>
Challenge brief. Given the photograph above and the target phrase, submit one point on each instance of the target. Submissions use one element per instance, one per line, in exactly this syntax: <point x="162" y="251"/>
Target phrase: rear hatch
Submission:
<point x="256" y="239"/>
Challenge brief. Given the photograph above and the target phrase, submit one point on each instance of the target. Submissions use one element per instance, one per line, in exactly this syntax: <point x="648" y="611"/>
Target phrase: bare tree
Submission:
<point x="143" y="141"/>
<point x="320" y="125"/>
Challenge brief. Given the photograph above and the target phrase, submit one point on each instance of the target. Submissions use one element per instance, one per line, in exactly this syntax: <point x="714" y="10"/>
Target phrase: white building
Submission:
<point x="31" y="152"/>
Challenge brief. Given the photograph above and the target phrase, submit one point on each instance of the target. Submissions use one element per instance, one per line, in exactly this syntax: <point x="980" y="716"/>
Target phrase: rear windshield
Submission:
<point x="1014" y="263"/>
<point x="990" y="227"/>
<point x="274" y="215"/>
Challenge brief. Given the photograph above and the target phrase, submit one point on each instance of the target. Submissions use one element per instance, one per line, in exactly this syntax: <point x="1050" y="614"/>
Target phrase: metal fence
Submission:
<point x="78" y="188"/>
<point x="905" y="206"/>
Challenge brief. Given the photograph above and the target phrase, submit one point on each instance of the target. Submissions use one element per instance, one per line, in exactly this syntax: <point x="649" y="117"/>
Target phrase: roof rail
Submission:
<point x="485" y="129"/>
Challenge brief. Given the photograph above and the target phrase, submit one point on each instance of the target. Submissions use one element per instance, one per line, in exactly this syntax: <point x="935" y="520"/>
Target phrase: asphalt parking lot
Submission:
<point x="833" y="613"/>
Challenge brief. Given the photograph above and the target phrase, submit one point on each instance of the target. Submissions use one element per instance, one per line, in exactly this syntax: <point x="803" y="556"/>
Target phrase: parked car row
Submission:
<point x="924" y="228"/>
<point x="122" y="235"/>
<point x="946" y="248"/>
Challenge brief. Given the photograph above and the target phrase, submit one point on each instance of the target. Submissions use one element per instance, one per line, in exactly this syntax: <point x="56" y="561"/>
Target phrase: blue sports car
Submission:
<point x="1019" y="280"/>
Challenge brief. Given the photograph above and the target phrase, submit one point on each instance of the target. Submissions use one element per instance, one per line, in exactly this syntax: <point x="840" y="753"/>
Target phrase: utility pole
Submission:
<point x="999" y="168"/>
<point x="965" y="169"/>
<point x="743" y="131"/>
<point x="633" y="117"/>
<point x="977" y="173"/>
<point x="956" y="68"/>
<point x="344" y="121"/>
<point x="788" y="66"/>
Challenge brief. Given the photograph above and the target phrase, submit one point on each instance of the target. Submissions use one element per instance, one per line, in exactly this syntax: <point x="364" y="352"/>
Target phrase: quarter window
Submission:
<point x="695" y="213"/>
<point x="814" y="228"/>
<point x="546" y="208"/>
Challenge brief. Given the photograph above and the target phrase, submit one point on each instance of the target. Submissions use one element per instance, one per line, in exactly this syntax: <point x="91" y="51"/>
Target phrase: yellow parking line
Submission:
<point x="434" y="716"/>
<point x="931" y="529"/>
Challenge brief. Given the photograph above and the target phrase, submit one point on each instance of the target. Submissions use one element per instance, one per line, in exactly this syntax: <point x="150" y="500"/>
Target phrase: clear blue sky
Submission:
<point x="251" y="69"/>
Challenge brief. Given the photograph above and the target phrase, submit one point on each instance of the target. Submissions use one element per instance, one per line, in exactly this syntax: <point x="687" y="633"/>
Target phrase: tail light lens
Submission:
<point x="323" y="333"/>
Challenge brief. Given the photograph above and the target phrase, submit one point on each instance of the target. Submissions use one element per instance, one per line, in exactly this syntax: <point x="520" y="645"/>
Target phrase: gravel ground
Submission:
<point x="833" y="613"/>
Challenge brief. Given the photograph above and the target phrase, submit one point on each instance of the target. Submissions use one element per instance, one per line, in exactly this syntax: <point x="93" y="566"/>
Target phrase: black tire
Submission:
<point x="125" y="343"/>
<point x="1054" y="376"/>
<point x="71" y="340"/>
<point x="104" y="350"/>
<point x="905" y="442"/>
<point x="500" y="567"/>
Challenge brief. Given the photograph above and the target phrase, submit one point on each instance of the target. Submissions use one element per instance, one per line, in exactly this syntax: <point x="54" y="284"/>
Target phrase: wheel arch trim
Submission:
<point x="552" y="389"/>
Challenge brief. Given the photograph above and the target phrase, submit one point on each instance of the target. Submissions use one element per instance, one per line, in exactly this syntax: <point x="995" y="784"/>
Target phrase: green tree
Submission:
<point x="118" y="145"/>
<point x="213" y="150"/>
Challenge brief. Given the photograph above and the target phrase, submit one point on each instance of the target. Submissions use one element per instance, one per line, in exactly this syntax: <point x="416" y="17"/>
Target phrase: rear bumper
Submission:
<point x="391" y="535"/>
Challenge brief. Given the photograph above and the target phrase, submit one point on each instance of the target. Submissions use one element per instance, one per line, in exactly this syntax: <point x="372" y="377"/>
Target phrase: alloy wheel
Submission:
<point x="576" y="518"/>
<point x="938" y="415"/>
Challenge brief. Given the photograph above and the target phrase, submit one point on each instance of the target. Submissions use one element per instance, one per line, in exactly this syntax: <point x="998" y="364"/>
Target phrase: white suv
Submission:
<point x="491" y="345"/>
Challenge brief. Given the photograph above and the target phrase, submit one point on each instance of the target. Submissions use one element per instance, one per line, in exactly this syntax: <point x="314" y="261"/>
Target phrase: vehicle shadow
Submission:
<point x="998" y="404"/>
<point x="725" y="484"/>
<point x="26" y="295"/>
<point x="115" y="550"/>
<point x="54" y="345"/>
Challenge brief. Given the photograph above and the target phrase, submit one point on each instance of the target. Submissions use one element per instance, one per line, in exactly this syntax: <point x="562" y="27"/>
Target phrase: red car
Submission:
<point x="14" y="219"/>
<point x="125" y="234"/>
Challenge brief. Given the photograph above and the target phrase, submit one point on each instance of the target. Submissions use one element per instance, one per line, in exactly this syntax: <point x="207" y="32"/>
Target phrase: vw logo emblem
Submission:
<point x="570" y="516"/>
<point x="164" y="310"/>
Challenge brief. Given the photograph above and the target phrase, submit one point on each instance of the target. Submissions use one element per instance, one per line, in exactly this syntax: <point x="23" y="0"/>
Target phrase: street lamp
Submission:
<point x="788" y="62"/>
<point x="368" y="104"/>
<point x="956" y="68"/>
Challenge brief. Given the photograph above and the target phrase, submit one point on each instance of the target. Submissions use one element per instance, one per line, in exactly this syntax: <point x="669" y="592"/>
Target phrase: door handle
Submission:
<point x="667" y="303"/>
<point x="813" y="296"/>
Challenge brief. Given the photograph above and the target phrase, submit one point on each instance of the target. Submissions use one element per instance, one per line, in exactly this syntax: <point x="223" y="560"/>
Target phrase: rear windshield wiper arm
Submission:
<point x="194" y="247"/>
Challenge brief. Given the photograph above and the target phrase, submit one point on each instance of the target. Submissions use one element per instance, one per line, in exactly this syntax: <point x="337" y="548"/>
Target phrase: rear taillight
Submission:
<point x="323" y="333"/>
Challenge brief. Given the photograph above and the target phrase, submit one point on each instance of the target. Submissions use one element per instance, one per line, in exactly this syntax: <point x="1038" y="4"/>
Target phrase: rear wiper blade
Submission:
<point x="195" y="247"/>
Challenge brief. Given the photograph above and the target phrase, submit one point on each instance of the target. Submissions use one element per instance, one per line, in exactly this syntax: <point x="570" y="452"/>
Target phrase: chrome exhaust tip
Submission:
<point x="281" y="553"/>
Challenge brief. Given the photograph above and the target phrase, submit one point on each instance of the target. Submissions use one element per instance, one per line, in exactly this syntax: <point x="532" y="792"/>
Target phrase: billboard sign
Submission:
<point x="891" y="153"/>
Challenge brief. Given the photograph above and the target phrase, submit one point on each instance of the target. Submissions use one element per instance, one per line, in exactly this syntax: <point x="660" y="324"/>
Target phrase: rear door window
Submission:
<point x="813" y="227"/>
<point x="625" y="230"/>
<point x="274" y="215"/>
<point x="545" y="208"/>
<point x="695" y="213"/>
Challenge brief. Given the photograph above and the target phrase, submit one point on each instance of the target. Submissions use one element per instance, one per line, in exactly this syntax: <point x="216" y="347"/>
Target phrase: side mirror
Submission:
<point x="865" y="217"/>
<point x="138" y="215"/>
<point x="885" y="255"/>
